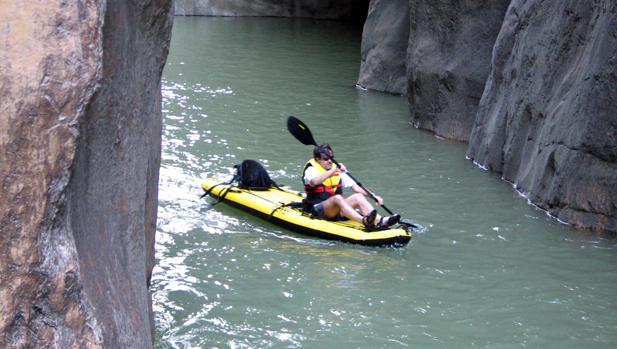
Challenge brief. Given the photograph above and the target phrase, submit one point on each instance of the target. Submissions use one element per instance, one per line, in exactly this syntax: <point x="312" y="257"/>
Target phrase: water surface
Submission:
<point x="488" y="270"/>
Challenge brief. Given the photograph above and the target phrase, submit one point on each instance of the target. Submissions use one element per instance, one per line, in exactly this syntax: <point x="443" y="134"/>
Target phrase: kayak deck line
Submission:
<point x="272" y="205"/>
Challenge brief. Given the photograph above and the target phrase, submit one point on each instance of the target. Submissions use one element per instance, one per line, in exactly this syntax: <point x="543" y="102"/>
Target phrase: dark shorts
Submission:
<point x="317" y="211"/>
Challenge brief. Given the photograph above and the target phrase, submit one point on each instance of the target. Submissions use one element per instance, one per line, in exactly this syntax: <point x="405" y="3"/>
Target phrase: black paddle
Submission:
<point x="302" y="133"/>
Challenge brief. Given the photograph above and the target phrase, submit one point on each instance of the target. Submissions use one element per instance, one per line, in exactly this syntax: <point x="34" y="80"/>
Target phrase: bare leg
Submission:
<point x="348" y="206"/>
<point x="358" y="201"/>
<point x="338" y="204"/>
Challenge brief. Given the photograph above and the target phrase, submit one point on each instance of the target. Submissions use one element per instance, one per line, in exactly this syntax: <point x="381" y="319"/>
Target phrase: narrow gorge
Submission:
<point x="526" y="85"/>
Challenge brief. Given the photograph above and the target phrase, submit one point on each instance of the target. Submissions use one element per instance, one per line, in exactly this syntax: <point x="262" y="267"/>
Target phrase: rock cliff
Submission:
<point x="527" y="83"/>
<point x="450" y="45"/>
<point x="548" y="117"/>
<point x="384" y="47"/>
<point x="320" y="9"/>
<point x="80" y="126"/>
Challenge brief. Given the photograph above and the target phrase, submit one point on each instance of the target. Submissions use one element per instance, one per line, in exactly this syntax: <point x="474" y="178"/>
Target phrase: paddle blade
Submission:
<point x="299" y="130"/>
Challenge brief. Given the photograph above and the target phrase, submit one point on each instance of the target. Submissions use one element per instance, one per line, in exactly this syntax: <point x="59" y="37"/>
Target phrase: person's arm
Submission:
<point x="313" y="179"/>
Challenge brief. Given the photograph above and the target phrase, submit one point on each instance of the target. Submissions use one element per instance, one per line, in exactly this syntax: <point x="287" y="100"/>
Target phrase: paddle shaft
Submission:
<point x="363" y="188"/>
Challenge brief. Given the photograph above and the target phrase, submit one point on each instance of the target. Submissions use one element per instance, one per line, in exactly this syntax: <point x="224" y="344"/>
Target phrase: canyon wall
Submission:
<point x="529" y="84"/>
<point x="448" y="60"/>
<point x="80" y="128"/>
<point x="435" y="52"/>
<point x="548" y="117"/>
<point x="321" y="9"/>
<point x="384" y="47"/>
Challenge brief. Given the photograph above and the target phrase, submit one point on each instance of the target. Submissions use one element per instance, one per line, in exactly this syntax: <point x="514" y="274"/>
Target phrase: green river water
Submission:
<point x="487" y="270"/>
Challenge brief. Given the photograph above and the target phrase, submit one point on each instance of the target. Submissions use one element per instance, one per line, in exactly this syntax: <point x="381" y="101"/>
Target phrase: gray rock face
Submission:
<point x="537" y="103"/>
<point x="323" y="9"/>
<point x="80" y="126"/>
<point x="450" y="45"/>
<point x="548" y="117"/>
<point x="384" y="47"/>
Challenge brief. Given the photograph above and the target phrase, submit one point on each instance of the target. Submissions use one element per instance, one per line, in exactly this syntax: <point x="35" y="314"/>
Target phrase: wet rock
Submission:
<point x="547" y="118"/>
<point x="384" y="47"/>
<point x="450" y="45"/>
<point x="322" y="9"/>
<point x="80" y="126"/>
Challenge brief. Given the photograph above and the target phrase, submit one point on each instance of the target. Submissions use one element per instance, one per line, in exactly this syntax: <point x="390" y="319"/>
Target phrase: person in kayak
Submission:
<point x="324" y="182"/>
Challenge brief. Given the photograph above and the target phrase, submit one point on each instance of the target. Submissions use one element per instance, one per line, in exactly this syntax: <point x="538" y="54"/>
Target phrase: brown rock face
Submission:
<point x="80" y="146"/>
<point x="547" y="120"/>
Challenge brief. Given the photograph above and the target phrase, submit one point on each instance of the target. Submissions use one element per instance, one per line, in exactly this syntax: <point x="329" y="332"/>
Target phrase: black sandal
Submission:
<point x="369" y="220"/>
<point x="386" y="222"/>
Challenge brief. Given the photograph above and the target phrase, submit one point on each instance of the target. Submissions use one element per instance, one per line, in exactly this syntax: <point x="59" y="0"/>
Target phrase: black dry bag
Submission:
<point x="251" y="174"/>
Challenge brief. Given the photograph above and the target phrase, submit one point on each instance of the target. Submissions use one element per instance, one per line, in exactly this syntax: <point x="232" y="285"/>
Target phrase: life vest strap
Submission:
<point x="321" y="189"/>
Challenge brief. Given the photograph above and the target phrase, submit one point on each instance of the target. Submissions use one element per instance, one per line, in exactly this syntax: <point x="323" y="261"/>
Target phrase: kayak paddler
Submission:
<point x="324" y="182"/>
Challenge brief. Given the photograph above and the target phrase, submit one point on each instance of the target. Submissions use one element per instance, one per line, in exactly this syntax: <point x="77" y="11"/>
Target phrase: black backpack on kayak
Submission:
<point x="250" y="174"/>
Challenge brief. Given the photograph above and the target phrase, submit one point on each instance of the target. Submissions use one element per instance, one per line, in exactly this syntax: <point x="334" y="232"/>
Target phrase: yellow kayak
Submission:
<point x="277" y="205"/>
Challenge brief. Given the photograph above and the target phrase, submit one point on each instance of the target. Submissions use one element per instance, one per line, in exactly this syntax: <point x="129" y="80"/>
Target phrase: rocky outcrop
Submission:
<point x="384" y="47"/>
<point x="547" y="120"/>
<point x="80" y="126"/>
<point x="450" y="45"/>
<point x="322" y="9"/>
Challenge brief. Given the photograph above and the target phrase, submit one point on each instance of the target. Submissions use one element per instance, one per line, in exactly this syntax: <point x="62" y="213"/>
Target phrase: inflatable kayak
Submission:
<point x="281" y="206"/>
